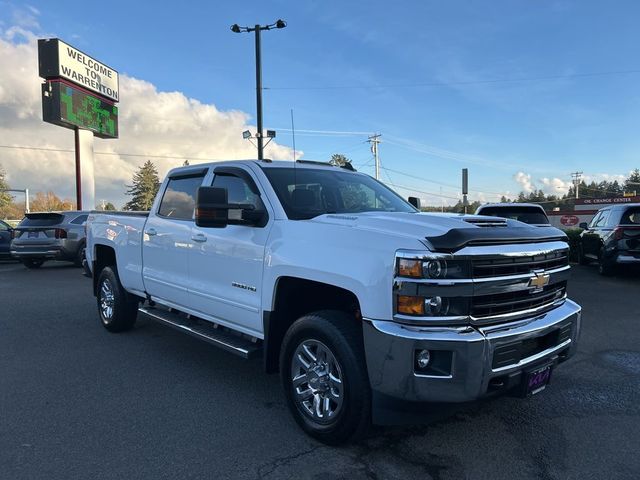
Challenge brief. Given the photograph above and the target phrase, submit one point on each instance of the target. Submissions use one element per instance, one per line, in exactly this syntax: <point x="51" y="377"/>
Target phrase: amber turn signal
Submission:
<point x="409" y="305"/>
<point x="410" y="268"/>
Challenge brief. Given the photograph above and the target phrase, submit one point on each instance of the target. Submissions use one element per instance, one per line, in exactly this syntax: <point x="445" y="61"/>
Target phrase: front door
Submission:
<point x="167" y="240"/>
<point x="226" y="264"/>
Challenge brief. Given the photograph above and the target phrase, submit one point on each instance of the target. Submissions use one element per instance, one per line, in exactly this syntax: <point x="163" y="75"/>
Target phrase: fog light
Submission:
<point x="423" y="358"/>
<point x="436" y="306"/>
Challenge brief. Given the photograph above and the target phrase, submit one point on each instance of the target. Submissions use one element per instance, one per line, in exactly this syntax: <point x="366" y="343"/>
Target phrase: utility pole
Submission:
<point x="374" y="140"/>
<point x="257" y="29"/>
<point x="577" y="176"/>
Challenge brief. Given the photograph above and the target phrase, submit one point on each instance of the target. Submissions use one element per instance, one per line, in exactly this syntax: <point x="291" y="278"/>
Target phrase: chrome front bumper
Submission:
<point x="390" y="352"/>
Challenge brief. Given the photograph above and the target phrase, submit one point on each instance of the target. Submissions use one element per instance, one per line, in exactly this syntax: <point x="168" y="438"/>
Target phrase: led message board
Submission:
<point x="70" y="106"/>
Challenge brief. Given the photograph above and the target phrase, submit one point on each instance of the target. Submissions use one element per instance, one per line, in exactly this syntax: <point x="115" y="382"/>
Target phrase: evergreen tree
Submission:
<point x="144" y="189"/>
<point x="632" y="183"/>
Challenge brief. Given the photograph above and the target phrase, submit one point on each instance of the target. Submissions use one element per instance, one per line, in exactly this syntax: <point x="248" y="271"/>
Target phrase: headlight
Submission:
<point x="436" y="268"/>
<point x="435" y="306"/>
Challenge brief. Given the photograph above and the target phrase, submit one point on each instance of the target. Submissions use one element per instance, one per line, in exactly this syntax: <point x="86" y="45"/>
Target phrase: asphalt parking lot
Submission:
<point x="78" y="402"/>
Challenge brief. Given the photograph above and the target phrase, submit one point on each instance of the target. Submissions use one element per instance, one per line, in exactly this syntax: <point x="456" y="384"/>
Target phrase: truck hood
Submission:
<point x="445" y="232"/>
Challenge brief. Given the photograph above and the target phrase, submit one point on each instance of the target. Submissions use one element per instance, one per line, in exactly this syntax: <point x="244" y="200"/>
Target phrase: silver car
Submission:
<point x="50" y="236"/>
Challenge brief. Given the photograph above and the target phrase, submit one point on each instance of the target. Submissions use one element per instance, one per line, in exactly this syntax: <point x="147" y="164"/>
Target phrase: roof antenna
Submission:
<point x="293" y="134"/>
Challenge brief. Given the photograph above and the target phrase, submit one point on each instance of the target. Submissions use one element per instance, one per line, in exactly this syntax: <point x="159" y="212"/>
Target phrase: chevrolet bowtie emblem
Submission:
<point x="539" y="281"/>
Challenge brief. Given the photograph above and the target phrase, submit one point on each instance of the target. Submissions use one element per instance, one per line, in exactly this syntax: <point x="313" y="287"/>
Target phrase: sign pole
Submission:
<point x="76" y="132"/>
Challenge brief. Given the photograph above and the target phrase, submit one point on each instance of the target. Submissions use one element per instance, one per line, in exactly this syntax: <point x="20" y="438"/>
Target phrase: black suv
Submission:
<point x="612" y="238"/>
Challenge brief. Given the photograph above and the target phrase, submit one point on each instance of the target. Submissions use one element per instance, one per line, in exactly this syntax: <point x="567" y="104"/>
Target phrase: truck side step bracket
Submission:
<point x="207" y="331"/>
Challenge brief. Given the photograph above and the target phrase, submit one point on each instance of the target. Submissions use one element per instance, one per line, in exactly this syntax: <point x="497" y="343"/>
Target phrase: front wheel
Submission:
<point x="118" y="309"/>
<point x="605" y="268"/>
<point x="324" y="376"/>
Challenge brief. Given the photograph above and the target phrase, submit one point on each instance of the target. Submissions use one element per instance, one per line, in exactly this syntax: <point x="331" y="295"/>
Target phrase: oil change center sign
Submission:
<point x="58" y="59"/>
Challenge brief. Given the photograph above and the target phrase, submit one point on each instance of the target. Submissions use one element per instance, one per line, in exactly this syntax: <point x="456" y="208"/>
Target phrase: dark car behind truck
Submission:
<point x="612" y="238"/>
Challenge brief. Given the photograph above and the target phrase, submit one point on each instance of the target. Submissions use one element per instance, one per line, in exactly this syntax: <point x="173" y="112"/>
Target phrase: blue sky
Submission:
<point x="427" y="75"/>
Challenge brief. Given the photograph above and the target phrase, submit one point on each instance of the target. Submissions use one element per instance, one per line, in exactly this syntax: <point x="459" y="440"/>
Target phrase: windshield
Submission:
<point x="313" y="192"/>
<point x="530" y="215"/>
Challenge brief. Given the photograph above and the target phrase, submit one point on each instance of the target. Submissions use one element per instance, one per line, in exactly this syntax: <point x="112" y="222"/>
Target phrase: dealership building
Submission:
<point x="584" y="210"/>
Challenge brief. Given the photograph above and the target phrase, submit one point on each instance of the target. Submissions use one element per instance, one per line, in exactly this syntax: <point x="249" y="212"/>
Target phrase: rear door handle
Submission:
<point x="199" y="237"/>
<point x="151" y="232"/>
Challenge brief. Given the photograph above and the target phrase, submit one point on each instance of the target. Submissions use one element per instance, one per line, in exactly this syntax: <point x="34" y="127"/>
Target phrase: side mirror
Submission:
<point x="584" y="225"/>
<point x="415" y="201"/>
<point x="213" y="210"/>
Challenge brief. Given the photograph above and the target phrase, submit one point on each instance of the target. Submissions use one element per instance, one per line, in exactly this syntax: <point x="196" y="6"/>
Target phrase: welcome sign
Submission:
<point x="57" y="59"/>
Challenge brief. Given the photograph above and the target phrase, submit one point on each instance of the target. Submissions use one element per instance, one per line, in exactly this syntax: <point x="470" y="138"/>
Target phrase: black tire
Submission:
<point x="33" y="262"/>
<point x="117" y="309"/>
<point x="80" y="256"/>
<point x="341" y="334"/>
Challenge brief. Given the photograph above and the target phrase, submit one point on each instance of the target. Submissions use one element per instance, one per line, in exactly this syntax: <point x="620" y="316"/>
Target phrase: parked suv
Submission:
<point x="50" y="236"/>
<point x="530" y="213"/>
<point x="612" y="238"/>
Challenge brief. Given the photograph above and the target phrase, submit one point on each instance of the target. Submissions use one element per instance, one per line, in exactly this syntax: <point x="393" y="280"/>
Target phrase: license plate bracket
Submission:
<point x="536" y="380"/>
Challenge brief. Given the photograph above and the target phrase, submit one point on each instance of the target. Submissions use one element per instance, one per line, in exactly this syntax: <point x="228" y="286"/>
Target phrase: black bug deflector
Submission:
<point x="457" y="238"/>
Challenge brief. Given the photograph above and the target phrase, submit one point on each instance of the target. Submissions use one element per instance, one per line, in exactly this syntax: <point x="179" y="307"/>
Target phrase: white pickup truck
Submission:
<point x="369" y="309"/>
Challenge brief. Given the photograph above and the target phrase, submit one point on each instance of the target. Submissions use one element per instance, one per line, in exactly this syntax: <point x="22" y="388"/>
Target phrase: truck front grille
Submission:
<point x="503" y="266"/>
<point x="504" y="303"/>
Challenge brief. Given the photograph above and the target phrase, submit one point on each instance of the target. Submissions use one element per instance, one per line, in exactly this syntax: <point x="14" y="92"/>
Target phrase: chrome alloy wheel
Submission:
<point x="107" y="300"/>
<point x="316" y="380"/>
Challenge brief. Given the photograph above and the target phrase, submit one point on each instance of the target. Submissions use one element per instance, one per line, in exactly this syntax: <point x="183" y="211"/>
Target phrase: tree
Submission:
<point x="144" y="189"/>
<point x="110" y="207"/>
<point x="633" y="181"/>
<point x="339" y="160"/>
<point x="49" y="202"/>
<point x="5" y="197"/>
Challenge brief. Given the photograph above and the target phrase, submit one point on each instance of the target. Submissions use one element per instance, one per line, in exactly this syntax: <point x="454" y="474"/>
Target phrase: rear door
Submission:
<point x="167" y="239"/>
<point x="226" y="264"/>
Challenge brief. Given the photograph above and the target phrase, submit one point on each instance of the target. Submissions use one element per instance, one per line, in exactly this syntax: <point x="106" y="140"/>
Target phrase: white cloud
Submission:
<point x="554" y="186"/>
<point x="524" y="179"/>
<point x="151" y="123"/>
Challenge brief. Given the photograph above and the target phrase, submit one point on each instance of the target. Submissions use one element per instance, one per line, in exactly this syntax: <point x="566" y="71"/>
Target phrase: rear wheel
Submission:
<point x="118" y="309"/>
<point x="325" y="377"/>
<point x="33" y="262"/>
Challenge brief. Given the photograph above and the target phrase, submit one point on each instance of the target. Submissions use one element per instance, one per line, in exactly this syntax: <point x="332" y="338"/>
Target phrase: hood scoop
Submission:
<point x="487" y="222"/>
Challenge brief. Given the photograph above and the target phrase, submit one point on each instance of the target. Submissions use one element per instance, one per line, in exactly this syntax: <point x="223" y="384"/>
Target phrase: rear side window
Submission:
<point x="79" y="220"/>
<point x="41" y="220"/>
<point x="631" y="216"/>
<point x="179" y="199"/>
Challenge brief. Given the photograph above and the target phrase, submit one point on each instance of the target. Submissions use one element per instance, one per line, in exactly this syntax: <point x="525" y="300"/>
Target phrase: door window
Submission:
<point x="237" y="190"/>
<point x="179" y="199"/>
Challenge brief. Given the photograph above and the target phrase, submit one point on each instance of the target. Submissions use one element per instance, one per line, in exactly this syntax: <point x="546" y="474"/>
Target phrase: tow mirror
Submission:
<point x="584" y="225"/>
<point x="213" y="210"/>
<point x="415" y="201"/>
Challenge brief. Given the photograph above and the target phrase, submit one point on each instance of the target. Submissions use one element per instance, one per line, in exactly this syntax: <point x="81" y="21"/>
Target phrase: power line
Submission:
<point x="120" y="154"/>
<point x="459" y="83"/>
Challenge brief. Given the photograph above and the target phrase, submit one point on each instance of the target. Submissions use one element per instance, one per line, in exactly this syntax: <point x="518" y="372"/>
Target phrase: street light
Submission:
<point x="257" y="29"/>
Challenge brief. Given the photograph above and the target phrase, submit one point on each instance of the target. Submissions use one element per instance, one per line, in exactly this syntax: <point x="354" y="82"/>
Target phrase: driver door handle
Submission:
<point x="199" y="237"/>
<point x="151" y="232"/>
